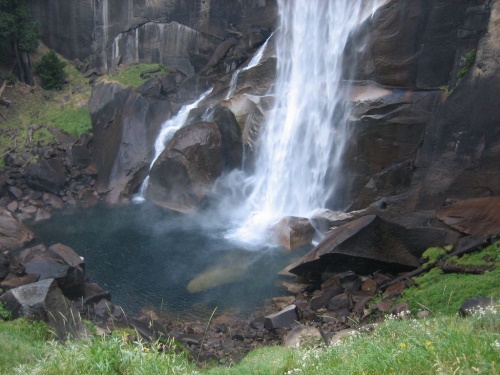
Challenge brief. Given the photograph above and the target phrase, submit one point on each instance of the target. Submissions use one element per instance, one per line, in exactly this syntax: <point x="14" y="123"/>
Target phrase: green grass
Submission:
<point x="22" y="342"/>
<point x="440" y="345"/>
<point x="130" y="75"/>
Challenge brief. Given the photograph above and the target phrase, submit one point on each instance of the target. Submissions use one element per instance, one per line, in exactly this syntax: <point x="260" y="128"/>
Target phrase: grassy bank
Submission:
<point x="441" y="345"/>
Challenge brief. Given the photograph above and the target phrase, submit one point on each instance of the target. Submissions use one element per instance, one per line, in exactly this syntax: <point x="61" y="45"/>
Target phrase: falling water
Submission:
<point x="167" y="131"/>
<point x="253" y="62"/>
<point x="299" y="158"/>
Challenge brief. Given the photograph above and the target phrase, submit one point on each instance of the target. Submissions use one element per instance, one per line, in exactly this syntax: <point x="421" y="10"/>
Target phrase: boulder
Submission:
<point x="367" y="245"/>
<point x="471" y="305"/>
<point x="13" y="233"/>
<point x="283" y="319"/>
<point x="293" y="232"/>
<point x="303" y="335"/>
<point x="479" y="216"/>
<point x="47" y="174"/>
<point x="43" y="300"/>
<point x="184" y="173"/>
<point x="58" y="262"/>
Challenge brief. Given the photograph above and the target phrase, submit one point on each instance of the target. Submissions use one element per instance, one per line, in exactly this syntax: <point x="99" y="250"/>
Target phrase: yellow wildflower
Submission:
<point x="403" y="345"/>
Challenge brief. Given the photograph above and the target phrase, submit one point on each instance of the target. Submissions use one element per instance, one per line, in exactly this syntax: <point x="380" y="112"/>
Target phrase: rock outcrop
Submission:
<point x="125" y="126"/>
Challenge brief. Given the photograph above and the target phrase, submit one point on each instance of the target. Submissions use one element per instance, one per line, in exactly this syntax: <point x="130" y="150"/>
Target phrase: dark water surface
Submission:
<point x="147" y="257"/>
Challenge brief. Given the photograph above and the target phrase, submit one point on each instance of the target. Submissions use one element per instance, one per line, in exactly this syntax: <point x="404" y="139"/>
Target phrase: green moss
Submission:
<point x="444" y="293"/>
<point x="489" y="256"/>
<point x="131" y="75"/>
<point x="434" y="254"/>
<point x="469" y="60"/>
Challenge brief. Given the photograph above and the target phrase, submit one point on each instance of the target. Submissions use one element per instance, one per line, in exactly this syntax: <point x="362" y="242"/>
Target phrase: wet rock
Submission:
<point x="125" y="125"/>
<point x="384" y="306"/>
<point x="13" y="206"/>
<point x="303" y="335"/>
<point x="13" y="233"/>
<point x="232" y="147"/>
<point x="325" y="220"/>
<point x="283" y="319"/>
<point x="43" y="300"/>
<point x="480" y="216"/>
<point x="476" y="303"/>
<point x="293" y="232"/>
<point x="183" y="174"/>
<point x="401" y="309"/>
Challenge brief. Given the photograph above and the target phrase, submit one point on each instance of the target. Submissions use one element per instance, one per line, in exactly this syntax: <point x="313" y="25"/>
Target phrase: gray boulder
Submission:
<point x="183" y="174"/>
<point x="58" y="262"/>
<point x="43" y="300"/>
<point x="283" y="319"/>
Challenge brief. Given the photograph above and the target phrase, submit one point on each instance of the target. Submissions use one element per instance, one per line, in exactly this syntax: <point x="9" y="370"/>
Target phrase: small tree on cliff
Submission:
<point x="19" y="34"/>
<point x="51" y="71"/>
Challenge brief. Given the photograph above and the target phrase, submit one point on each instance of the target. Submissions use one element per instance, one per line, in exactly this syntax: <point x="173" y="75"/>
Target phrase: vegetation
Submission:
<point x="34" y="110"/>
<point x="50" y="69"/>
<point x="131" y="75"/>
<point x="444" y="345"/>
<point x="444" y="293"/>
<point x="18" y="35"/>
<point x="22" y="342"/>
<point x="469" y="60"/>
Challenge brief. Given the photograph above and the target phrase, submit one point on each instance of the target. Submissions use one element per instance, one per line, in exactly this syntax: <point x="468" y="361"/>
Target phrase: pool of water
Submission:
<point x="145" y="256"/>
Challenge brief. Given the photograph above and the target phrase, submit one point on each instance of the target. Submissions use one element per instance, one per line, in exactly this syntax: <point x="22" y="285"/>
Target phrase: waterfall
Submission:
<point x="298" y="167"/>
<point x="167" y="131"/>
<point x="253" y="62"/>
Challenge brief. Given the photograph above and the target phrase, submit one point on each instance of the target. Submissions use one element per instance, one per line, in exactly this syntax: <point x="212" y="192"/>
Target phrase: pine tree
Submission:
<point x="50" y="69"/>
<point x="19" y="34"/>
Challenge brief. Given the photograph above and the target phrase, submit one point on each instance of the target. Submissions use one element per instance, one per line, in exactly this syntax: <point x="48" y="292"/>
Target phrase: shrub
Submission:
<point x="50" y="69"/>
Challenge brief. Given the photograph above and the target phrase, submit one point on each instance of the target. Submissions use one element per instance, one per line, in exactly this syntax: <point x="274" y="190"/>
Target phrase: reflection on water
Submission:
<point x="147" y="257"/>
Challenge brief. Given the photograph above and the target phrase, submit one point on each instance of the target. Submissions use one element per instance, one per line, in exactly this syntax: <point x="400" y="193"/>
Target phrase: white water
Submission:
<point x="167" y="131"/>
<point x="253" y="62"/>
<point x="303" y="139"/>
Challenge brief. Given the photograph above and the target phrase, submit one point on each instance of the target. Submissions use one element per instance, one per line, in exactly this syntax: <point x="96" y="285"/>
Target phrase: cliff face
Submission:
<point x="177" y="33"/>
<point x="424" y="117"/>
